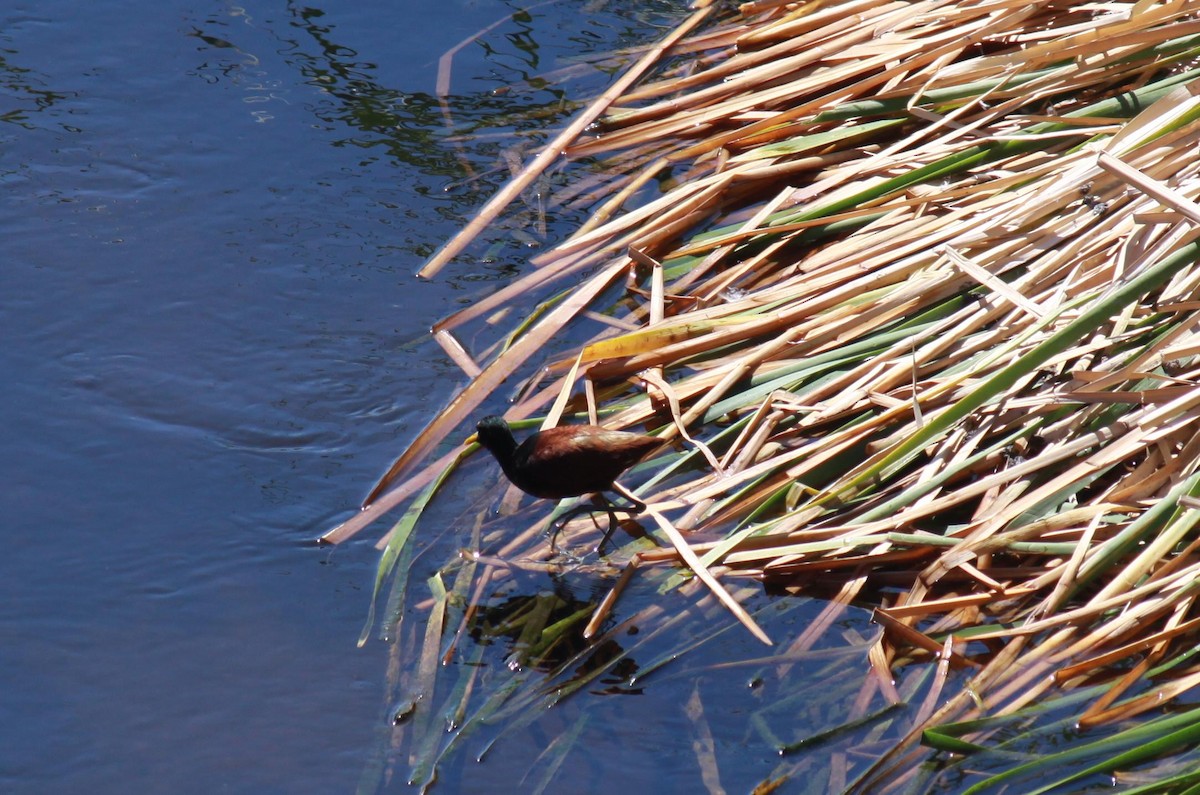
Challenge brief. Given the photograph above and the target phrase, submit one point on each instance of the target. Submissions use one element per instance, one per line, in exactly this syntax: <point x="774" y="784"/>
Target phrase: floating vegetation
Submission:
<point x="912" y="287"/>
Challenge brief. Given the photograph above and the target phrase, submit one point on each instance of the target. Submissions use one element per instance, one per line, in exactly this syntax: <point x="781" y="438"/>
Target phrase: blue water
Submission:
<point x="214" y="342"/>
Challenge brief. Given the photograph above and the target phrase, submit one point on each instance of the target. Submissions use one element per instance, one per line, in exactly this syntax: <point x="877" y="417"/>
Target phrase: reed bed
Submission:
<point x="918" y="311"/>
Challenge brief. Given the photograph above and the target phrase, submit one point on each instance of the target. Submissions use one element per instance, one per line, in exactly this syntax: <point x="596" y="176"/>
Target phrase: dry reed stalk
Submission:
<point x="531" y="172"/>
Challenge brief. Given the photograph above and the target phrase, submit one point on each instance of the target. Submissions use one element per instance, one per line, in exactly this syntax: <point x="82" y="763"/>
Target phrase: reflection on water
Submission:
<point x="490" y="664"/>
<point x="21" y="89"/>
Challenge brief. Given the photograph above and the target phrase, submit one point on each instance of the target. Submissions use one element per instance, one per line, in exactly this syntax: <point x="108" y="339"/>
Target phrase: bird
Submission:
<point x="568" y="461"/>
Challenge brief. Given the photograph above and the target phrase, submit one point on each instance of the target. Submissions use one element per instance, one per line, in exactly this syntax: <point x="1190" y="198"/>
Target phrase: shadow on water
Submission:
<point x="672" y="693"/>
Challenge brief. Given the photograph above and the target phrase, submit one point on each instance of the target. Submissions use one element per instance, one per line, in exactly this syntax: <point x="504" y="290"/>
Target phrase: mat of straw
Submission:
<point x="918" y="309"/>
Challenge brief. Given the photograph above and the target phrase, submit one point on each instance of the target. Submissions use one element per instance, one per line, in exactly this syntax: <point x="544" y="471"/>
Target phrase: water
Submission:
<point x="213" y="344"/>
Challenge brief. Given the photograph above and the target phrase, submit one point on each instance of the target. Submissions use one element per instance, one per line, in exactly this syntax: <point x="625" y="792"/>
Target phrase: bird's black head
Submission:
<point x="495" y="435"/>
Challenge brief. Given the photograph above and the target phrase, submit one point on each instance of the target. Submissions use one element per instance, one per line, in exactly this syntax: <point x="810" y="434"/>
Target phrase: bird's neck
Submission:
<point x="505" y="451"/>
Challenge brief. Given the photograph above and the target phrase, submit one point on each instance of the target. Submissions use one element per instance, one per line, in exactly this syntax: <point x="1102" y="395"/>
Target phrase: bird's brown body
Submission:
<point x="567" y="461"/>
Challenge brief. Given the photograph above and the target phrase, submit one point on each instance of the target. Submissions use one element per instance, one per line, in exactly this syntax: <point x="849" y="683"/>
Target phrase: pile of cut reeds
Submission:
<point x="919" y="304"/>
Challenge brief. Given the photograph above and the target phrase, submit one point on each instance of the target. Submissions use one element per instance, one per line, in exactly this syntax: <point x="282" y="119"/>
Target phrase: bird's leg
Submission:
<point x="600" y="502"/>
<point x="637" y="505"/>
<point x="570" y="514"/>
<point x="555" y="529"/>
<point x="609" y="508"/>
<point x="634" y="509"/>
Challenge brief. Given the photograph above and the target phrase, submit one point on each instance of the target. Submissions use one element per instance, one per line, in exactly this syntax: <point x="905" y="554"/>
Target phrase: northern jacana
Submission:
<point x="568" y="461"/>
